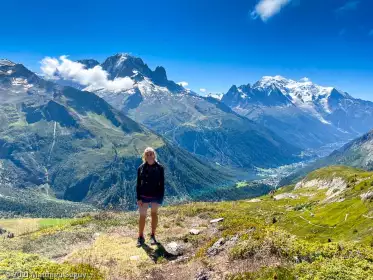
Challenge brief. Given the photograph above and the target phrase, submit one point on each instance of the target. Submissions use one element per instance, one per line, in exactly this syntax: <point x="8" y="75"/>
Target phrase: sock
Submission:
<point x="141" y="235"/>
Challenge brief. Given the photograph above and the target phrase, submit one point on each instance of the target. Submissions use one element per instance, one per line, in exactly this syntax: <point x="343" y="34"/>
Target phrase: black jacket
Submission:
<point x="150" y="180"/>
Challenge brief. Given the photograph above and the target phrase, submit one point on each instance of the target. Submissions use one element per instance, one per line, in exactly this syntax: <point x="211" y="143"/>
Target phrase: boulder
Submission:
<point x="174" y="248"/>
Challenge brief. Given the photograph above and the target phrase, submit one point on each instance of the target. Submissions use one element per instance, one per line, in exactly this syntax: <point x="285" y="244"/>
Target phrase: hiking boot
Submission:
<point x="153" y="241"/>
<point x="140" y="241"/>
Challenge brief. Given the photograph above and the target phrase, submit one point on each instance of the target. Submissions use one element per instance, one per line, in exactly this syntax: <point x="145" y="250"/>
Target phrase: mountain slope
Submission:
<point x="202" y="125"/>
<point x="80" y="148"/>
<point x="309" y="114"/>
<point x="320" y="228"/>
<point x="357" y="153"/>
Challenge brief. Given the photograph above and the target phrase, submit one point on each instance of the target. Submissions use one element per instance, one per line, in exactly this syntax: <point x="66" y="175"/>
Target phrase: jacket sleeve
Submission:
<point x="138" y="184"/>
<point x="161" y="183"/>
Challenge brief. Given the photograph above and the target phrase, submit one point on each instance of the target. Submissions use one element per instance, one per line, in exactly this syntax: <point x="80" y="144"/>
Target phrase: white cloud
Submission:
<point x="183" y="84"/>
<point x="94" y="78"/>
<point x="202" y="90"/>
<point x="305" y="80"/>
<point x="349" y="6"/>
<point x="268" y="8"/>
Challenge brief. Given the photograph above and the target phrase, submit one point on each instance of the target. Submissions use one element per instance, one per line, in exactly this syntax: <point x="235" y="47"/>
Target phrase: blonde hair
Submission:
<point x="148" y="149"/>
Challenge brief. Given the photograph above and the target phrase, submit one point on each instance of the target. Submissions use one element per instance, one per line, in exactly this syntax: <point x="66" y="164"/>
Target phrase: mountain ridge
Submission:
<point x="323" y="113"/>
<point x="206" y="128"/>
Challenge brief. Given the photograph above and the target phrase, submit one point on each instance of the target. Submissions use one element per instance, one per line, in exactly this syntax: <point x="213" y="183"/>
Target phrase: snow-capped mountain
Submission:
<point x="146" y="80"/>
<point x="304" y="94"/>
<point x="318" y="115"/>
<point x="202" y="125"/>
<point x="78" y="147"/>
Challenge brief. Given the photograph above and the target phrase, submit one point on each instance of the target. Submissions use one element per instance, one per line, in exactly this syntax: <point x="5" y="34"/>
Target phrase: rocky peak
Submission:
<point x="232" y="97"/>
<point x="125" y="65"/>
<point x="89" y="63"/>
<point x="17" y="73"/>
<point x="159" y="75"/>
<point x="233" y="89"/>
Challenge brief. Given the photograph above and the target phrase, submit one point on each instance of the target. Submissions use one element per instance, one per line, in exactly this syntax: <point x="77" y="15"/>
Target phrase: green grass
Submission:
<point x="44" y="223"/>
<point x="345" y="172"/>
<point x="18" y="265"/>
<point x="309" y="237"/>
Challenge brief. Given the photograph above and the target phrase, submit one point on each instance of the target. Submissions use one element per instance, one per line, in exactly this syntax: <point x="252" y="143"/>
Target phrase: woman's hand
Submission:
<point x="139" y="203"/>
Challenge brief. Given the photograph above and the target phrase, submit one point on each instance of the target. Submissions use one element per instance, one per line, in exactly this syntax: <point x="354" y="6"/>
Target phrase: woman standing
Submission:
<point x="150" y="190"/>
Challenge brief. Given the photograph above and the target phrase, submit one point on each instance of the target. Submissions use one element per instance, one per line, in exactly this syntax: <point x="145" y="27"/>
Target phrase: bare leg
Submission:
<point x="154" y="214"/>
<point x="143" y="211"/>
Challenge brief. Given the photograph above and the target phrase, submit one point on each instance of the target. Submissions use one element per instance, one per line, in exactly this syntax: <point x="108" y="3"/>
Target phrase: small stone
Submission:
<point x="194" y="231"/>
<point x="134" y="258"/>
<point x="96" y="234"/>
<point x="216" y="220"/>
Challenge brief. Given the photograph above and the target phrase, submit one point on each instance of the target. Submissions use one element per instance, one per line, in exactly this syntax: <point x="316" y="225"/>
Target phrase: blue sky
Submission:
<point x="210" y="44"/>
